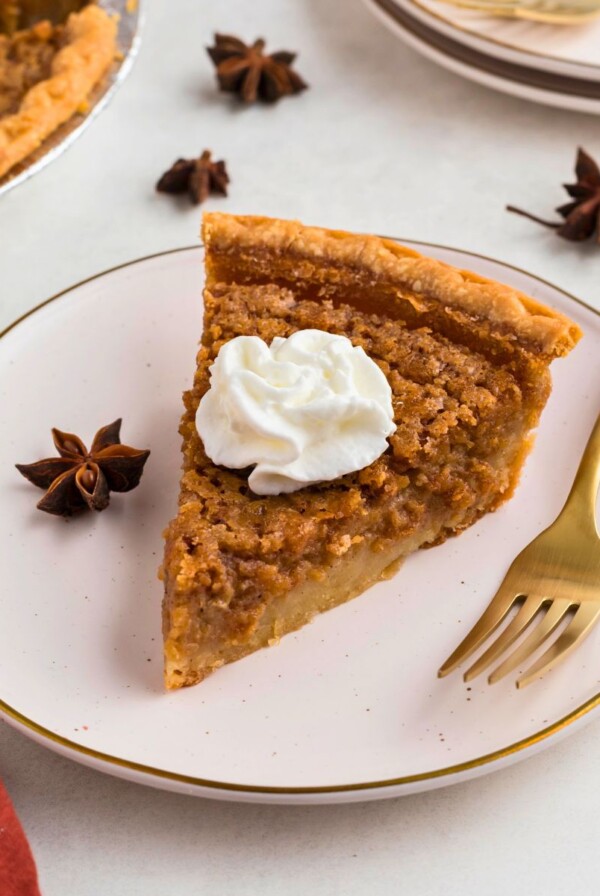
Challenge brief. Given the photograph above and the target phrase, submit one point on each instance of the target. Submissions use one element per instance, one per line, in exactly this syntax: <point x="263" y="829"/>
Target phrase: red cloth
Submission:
<point x="18" y="875"/>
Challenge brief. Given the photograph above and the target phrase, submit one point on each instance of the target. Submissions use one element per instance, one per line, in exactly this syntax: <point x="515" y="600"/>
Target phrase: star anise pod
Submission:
<point x="197" y="177"/>
<point x="79" y="478"/>
<point x="582" y="215"/>
<point x="252" y="74"/>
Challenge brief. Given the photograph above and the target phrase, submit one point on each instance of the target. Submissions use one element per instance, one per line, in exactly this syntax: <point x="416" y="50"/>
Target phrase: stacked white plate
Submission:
<point x="558" y="65"/>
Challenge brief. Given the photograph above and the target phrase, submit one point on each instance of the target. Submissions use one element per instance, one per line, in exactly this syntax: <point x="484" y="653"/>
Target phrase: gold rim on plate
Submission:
<point x="110" y="762"/>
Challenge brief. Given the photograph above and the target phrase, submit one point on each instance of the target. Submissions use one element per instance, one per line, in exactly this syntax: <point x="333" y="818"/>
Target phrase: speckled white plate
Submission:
<point x="349" y="708"/>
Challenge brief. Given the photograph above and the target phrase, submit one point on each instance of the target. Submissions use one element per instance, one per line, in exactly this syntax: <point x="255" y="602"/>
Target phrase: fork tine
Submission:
<point x="581" y="625"/>
<point x="486" y="625"/>
<point x="535" y="639"/>
<point x="510" y="634"/>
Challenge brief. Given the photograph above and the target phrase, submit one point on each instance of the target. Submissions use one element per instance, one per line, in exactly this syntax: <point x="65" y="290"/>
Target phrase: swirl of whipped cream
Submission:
<point x="303" y="410"/>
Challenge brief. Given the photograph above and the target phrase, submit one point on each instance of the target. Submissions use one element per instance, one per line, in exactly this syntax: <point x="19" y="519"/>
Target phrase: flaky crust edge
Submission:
<point x="76" y="69"/>
<point x="549" y="331"/>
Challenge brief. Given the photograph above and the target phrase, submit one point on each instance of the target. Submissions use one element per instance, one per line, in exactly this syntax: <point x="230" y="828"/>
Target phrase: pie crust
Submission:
<point x="467" y="360"/>
<point x="82" y="51"/>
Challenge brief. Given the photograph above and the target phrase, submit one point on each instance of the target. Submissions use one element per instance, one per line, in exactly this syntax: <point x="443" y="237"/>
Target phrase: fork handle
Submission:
<point x="582" y="497"/>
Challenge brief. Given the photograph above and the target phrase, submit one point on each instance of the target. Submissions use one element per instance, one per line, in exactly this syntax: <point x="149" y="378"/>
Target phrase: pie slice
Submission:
<point x="467" y="361"/>
<point x="46" y="74"/>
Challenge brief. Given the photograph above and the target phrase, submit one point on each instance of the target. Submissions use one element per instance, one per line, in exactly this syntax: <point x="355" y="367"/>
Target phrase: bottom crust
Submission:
<point x="358" y="570"/>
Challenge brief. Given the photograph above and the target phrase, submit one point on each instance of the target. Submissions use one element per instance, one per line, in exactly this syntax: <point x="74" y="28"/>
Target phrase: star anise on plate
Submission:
<point x="79" y="478"/>
<point x="197" y="177"/>
<point x="581" y="215"/>
<point x="246" y="70"/>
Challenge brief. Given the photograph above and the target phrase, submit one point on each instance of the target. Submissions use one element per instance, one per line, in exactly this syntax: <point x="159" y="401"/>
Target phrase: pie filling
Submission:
<point x="19" y="15"/>
<point x="25" y="60"/>
<point x="241" y="569"/>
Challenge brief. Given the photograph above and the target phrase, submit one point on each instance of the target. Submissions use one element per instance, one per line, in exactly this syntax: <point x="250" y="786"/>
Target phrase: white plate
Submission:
<point x="535" y="85"/>
<point x="128" y="41"/>
<point x="571" y="50"/>
<point x="349" y="708"/>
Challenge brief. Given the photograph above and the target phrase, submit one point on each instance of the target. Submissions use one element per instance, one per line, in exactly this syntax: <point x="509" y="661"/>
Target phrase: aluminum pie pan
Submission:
<point x="131" y="16"/>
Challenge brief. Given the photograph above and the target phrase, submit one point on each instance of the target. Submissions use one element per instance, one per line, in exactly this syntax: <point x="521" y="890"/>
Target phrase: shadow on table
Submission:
<point x="146" y="839"/>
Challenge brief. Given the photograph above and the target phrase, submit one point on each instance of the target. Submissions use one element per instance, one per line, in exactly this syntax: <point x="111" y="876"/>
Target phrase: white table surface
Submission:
<point x="384" y="141"/>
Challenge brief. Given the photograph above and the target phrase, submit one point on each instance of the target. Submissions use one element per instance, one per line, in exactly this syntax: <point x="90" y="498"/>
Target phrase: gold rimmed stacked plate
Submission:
<point x="549" y="64"/>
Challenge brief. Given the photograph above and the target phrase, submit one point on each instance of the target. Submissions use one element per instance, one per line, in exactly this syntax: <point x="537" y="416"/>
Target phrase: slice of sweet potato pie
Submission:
<point x="353" y="401"/>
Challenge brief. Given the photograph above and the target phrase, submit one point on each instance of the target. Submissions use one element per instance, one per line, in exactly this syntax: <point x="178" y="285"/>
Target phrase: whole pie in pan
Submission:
<point x="46" y="74"/>
<point x="467" y="361"/>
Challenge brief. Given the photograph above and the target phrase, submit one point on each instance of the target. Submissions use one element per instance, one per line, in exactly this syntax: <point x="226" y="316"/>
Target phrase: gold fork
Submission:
<point x="554" y="579"/>
<point x="553" y="12"/>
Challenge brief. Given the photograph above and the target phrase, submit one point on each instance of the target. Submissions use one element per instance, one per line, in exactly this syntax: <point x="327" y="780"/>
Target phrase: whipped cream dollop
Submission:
<point x="302" y="410"/>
